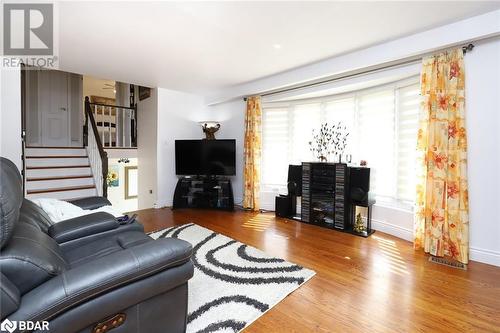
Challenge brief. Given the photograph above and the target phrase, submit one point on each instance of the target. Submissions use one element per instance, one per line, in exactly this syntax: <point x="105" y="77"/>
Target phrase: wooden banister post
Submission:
<point x="86" y="124"/>
<point x="105" y="175"/>
<point x="89" y="118"/>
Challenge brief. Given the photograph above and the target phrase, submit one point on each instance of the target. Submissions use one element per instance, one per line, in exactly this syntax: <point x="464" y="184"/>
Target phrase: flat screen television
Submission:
<point x="205" y="157"/>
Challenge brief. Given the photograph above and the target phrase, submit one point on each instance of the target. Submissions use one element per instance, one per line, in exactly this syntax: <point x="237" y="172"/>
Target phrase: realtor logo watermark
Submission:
<point x="11" y="325"/>
<point x="29" y="35"/>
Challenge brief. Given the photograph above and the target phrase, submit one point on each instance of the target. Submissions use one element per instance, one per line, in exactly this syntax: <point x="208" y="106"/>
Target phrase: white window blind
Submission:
<point x="376" y="145"/>
<point x="275" y="145"/>
<point x="407" y="128"/>
<point x="305" y="118"/>
<point x="382" y="123"/>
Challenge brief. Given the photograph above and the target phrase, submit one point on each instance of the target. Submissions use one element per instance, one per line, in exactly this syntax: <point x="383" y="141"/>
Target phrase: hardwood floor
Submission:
<point x="378" y="284"/>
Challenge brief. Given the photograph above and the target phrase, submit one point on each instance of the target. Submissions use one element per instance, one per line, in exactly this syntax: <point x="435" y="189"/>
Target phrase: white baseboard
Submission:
<point x="238" y="201"/>
<point x="485" y="256"/>
<point x="391" y="229"/>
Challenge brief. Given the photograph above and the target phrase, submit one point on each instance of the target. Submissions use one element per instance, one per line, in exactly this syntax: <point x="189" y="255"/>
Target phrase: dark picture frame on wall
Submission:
<point x="144" y="92"/>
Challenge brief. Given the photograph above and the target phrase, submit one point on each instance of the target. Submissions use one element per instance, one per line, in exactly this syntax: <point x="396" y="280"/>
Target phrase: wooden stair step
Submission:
<point x="53" y="147"/>
<point x="57" y="167"/>
<point x="58" y="178"/>
<point x="62" y="189"/>
<point x="59" y="156"/>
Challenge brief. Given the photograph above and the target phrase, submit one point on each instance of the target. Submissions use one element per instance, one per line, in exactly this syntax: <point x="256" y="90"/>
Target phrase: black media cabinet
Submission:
<point x="327" y="196"/>
<point x="204" y="192"/>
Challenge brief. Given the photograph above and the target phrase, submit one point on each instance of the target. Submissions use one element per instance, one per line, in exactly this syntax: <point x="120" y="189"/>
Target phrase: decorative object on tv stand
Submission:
<point x="359" y="226"/>
<point x="363" y="163"/>
<point x="209" y="128"/>
<point x="330" y="140"/>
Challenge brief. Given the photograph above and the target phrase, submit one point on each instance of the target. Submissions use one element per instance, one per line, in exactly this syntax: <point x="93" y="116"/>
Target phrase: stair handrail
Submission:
<point x="105" y="126"/>
<point x="89" y="117"/>
<point x="114" y="106"/>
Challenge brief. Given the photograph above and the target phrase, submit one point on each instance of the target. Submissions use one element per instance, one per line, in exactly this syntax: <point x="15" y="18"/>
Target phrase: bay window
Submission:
<point x="382" y="124"/>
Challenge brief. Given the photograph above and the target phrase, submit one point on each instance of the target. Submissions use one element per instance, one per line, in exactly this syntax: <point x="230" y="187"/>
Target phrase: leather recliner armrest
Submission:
<point x="92" y="279"/>
<point x="10" y="298"/>
<point x="91" y="202"/>
<point x="82" y="226"/>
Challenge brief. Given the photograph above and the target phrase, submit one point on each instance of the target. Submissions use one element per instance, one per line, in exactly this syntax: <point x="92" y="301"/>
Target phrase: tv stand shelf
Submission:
<point x="204" y="192"/>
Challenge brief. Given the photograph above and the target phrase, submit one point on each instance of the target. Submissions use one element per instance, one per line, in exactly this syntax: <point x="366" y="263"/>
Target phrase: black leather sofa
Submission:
<point x="87" y="274"/>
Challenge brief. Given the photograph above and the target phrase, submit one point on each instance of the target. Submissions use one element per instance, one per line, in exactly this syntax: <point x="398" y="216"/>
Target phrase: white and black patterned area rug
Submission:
<point x="233" y="283"/>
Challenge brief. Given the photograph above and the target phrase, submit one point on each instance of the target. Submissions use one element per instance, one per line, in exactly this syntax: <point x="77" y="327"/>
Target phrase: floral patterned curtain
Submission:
<point x="251" y="172"/>
<point x="442" y="221"/>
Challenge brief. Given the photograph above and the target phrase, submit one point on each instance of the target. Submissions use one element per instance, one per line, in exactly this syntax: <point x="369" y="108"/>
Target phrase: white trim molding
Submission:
<point x="393" y="229"/>
<point x="485" y="256"/>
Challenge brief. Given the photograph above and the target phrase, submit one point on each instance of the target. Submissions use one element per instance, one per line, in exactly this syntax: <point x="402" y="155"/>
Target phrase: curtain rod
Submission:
<point x="393" y="64"/>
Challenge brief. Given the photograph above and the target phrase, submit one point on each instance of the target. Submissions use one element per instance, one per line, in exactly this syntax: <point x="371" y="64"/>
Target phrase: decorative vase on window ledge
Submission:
<point x="330" y="140"/>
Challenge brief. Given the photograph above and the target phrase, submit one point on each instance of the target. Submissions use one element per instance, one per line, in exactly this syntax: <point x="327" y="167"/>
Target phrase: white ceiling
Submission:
<point x="203" y="47"/>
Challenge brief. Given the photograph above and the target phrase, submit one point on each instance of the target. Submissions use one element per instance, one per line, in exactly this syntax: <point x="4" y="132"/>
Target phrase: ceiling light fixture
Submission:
<point x="277" y="46"/>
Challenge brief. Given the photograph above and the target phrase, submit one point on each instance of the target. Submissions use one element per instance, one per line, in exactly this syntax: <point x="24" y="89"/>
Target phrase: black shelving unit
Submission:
<point x="341" y="197"/>
<point x="326" y="198"/>
<point x="204" y="192"/>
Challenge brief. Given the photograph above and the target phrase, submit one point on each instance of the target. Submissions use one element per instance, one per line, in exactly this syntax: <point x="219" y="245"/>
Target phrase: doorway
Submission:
<point x="53" y="108"/>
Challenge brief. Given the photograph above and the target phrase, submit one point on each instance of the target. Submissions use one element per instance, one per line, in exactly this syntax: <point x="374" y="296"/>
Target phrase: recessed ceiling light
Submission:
<point x="277" y="46"/>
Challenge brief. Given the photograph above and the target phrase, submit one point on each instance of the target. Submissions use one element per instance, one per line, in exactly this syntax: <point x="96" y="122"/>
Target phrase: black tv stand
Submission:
<point x="209" y="192"/>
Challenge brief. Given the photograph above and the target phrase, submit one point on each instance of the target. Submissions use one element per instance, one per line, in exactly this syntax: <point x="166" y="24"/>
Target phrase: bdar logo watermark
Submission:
<point x="28" y="35"/>
<point x="11" y="325"/>
<point x="8" y="326"/>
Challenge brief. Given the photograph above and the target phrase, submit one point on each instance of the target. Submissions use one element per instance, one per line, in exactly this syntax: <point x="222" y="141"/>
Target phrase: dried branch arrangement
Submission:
<point x="331" y="140"/>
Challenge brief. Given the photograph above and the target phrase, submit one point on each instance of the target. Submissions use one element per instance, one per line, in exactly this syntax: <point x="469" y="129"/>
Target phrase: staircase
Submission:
<point x="58" y="172"/>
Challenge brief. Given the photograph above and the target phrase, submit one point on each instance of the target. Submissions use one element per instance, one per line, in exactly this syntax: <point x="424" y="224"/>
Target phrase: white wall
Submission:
<point x="116" y="195"/>
<point x="178" y="116"/>
<point x="10" y="119"/>
<point x="231" y="116"/>
<point x="483" y="125"/>
<point x="147" y="114"/>
<point x="164" y="117"/>
<point x="122" y="95"/>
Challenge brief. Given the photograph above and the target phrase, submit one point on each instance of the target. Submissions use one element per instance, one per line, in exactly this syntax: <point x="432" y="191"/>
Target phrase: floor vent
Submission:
<point x="447" y="262"/>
